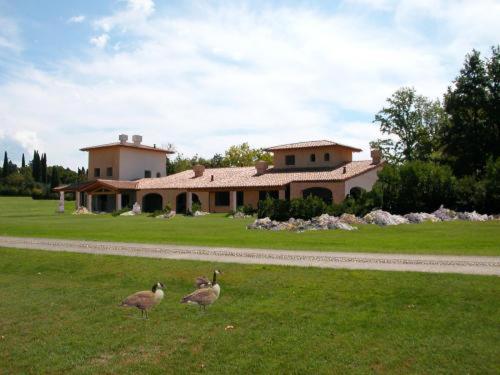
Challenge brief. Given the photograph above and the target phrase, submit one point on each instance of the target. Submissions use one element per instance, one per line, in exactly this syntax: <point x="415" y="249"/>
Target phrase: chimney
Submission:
<point x="198" y="170"/>
<point x="376" y="156"/>
<point x="261" y="167"/>
<point x="212" y="178"/>
<point x="344" y="170"/>
<point x="123" y="138"/>
<point x="137" y="139"/>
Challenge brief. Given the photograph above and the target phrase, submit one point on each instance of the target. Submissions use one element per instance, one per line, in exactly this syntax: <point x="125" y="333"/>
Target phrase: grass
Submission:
<point x="26" y="217"/>
<point x="59" y="314"/>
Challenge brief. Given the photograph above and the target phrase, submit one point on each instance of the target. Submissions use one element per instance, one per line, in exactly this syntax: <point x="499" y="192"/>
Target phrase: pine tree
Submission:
<point x="5" y="168"/>
<point x="471" y="136"/>
<point x="43" y="169"/>
<point x="23" y="162"/>
<point x="54" y="178"/>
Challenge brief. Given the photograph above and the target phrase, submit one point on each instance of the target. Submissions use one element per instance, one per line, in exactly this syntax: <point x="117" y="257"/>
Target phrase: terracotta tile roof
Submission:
<point x="310" y="144"/>
<point x="91" y="185"/>
<point x="129" y="144"/>
<point x="246" y="177"/>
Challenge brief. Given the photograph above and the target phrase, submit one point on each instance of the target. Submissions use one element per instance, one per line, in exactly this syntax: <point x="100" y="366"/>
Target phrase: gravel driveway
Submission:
<point x="478" y="265"/>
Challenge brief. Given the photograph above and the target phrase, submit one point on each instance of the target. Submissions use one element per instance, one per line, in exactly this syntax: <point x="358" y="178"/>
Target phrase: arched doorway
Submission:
<point x="152" y="202"/>
<point x="181" y="202"/>
<point x="323" y="193"/>
<point x="356" y="192"/>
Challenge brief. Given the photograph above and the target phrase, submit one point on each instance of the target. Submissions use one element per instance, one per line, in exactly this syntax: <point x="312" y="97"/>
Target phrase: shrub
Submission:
<point x="265" y="208"/>
<point x="247" y="209"/>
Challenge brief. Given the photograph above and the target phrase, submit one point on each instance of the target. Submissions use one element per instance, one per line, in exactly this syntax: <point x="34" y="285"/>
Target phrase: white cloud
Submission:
<point x="217" y="76"/>
<point x="100" y="41"/>
<point x="76" y="19"/>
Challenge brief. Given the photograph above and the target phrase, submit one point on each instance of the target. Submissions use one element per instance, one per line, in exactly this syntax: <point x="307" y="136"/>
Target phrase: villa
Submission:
<point x="122" y="173"/>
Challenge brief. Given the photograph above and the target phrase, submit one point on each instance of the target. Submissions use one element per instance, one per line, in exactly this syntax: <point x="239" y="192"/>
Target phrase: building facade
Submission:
<point x="123" y="173"/>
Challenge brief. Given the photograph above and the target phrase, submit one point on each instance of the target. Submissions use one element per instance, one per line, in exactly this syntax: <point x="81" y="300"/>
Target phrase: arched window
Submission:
<point x="313" y="157"/>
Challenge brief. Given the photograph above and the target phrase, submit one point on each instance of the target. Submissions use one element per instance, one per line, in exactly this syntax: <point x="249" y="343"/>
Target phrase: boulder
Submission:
<point x="82" y="211"/>
<point x="200" y="213"/>
<point x="445" y="214"/>
<point x="323" y="222"/>
<point x="136" y="208"/>
<point x="472" y="216"/>
<point x="351" y="219"/>
<point x="384" y="218"/>
<point x="420" y="217"/>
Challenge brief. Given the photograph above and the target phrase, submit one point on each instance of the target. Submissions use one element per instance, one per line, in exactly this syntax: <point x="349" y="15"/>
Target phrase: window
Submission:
<point x="239" y="198"/>
<point x="313" y="157"/>
<point x="147" y="174"/>
<point x="158" y="174"/>
<point x="109" y="172"/>
<point x="222" y="198"/>
<point x="97" y="172"/>
<point x="327" y="157"/>
<point x="290" y="160"/>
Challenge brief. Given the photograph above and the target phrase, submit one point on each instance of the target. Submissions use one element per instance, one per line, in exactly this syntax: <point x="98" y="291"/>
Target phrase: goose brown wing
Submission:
<point x="142" y="300"/>
<point x="201" y="296"/>
<point x="202" y="281"/>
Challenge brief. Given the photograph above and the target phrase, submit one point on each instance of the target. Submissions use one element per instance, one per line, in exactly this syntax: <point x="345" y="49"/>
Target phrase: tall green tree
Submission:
<point x="36" y="166"/>
<point x="5" y="168"/>
<point x="411" y="121"/>
<point x="472" y="135"/>
<point x="43" y="168"/>
<point x="23" y="162"/>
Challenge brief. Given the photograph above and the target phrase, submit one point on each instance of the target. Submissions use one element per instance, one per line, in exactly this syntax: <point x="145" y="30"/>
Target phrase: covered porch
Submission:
<point x="100" y="195"/>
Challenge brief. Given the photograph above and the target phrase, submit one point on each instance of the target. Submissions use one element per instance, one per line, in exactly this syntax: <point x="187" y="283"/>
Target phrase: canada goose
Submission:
<point x="204" y="296"/>
<point x="146" y="299"/>
<point x="202" y="282"/>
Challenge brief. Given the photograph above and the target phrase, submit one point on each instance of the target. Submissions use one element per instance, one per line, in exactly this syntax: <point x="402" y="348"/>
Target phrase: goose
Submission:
<point x="204" y="296"/>
<point x="146" y="299"/>
<point x="202" y="282"/>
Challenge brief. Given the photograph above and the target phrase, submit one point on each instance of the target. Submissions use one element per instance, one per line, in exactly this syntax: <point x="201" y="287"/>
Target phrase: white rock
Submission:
<point x="384" y="218"/>
<point x="420" y="217"/>
<point x="136" y="208"/>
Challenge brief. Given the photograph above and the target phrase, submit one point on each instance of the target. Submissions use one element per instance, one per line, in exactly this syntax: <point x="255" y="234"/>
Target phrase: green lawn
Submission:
<point x="59" y="314"/>
<point x="26" y="217"/>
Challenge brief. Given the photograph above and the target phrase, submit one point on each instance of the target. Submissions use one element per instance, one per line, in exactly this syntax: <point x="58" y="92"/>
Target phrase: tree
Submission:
<point x="23" y="162"/>
<point x="472" y="135"/>
<point x="54" y="178"/>
<point x="242" y="155"/>
<point x="5" y="168"/>
<point x="412" y="121"/>
<point x="36" y="166"/>
<point x="43" y="169"/>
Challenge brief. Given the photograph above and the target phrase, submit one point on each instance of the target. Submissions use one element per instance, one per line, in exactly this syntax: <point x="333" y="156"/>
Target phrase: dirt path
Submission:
<point x="478" y="265"/>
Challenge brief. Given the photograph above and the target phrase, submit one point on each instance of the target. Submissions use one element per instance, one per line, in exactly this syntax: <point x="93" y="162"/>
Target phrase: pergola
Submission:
<point x="95" y="188"/>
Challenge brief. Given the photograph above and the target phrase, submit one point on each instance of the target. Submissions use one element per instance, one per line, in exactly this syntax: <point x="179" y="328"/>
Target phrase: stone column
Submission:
<point x="281" y="194"/>
<point x="61" y="202"/>
<point x="189" y="201"/>
<point x="232" y="201"/>
<point x="77" y="199"/>
<point x="89" y="202"/>
<point x="118" y="202"/>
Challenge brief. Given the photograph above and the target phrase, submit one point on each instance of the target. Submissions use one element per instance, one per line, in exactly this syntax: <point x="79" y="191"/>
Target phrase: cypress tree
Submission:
<point x="36" y="166"/>
<point x="43" y="169"/>
<point x="23" y="162"/>
<point x="5" y="168"/>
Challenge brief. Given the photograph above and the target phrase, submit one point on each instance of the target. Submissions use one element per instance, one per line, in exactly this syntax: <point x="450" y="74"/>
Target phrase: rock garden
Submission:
<point x="377" y="217"/>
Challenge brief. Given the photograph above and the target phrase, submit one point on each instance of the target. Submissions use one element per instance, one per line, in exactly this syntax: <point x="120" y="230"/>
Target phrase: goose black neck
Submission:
<point x="215" y="279"/>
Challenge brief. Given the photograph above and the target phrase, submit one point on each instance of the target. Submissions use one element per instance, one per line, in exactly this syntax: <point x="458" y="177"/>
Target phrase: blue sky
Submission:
<point x="204" y="75"/>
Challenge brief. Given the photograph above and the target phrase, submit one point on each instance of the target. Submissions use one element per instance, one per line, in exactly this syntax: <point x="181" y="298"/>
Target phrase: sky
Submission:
<point x="204" y="75"/>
